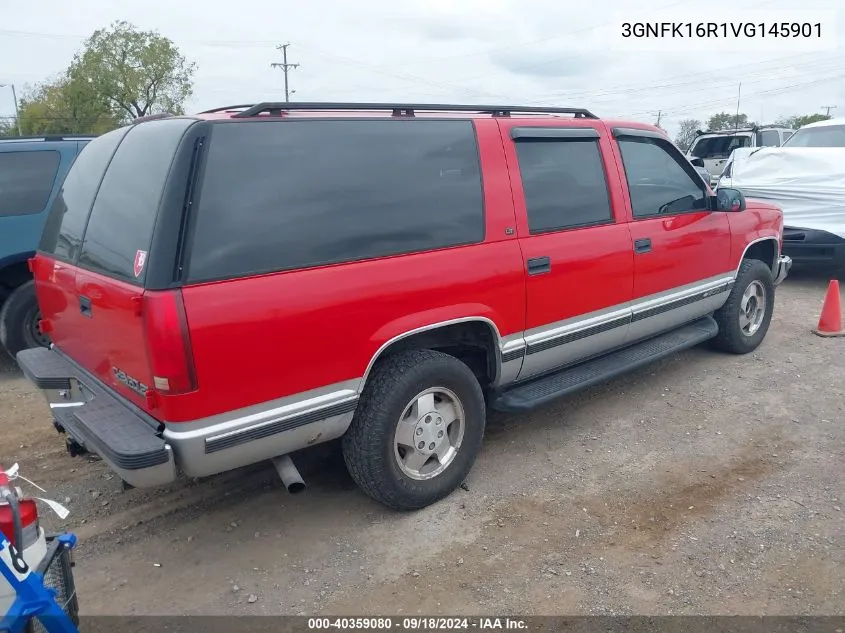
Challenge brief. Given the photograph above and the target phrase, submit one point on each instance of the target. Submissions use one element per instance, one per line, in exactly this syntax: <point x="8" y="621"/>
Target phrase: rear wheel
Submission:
<point x="745" y="317"/>
<point x="19" y="321"/>
<point x="417" y="429"/>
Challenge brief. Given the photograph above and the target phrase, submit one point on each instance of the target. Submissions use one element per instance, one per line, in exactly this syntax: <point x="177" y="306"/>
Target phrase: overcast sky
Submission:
<point x="474" y="51"/>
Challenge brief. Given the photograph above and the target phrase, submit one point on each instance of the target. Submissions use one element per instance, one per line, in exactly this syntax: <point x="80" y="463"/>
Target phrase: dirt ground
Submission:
<point x="704" y="484"/>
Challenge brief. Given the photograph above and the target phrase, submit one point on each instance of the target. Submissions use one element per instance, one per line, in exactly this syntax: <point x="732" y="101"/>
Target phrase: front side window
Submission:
<point x="657" y="182"/>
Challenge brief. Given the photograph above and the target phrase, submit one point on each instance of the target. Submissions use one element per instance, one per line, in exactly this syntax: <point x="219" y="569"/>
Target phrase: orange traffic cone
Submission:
<point x="830" y="321"/>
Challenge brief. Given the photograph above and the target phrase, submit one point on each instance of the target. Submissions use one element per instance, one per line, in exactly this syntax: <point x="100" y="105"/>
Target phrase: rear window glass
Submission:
<point x="283" y="195"/>
<point x="26" y="180"/>
<point x="719" y="146"/>
<point x="120" y="229"/>
<point x="62" y="233"/>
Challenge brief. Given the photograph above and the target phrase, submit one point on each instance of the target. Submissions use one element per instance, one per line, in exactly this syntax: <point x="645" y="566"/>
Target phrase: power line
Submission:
<point x="285" y="66"/>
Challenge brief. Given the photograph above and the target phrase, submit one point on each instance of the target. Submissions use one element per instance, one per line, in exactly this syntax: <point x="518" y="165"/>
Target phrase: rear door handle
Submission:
<point x="642" y="246"/>
<point x="539" y="265"/>
<point x="85" y="306"/>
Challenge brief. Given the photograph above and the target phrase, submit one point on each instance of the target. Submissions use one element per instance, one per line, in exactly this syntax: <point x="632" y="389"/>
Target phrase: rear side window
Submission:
<point x="769" y="138"/>
<point x="26" y="180"/>
<point x="564" y="184"/>
<point x="120" y="229"/>
<point x="294" y="194"/>
<point x="62" y="235"/>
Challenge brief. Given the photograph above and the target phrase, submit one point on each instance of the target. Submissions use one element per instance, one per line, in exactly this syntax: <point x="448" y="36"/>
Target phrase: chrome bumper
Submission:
<point x="782" y="266"/>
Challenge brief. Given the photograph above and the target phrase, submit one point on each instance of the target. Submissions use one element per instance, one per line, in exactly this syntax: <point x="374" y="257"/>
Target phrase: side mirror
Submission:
<point x="697" y="162"/>
<point x="730" y="200"/>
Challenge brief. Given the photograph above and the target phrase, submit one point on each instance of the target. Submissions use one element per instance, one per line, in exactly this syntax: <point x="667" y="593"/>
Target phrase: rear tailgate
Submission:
<point x="92" y="266"/>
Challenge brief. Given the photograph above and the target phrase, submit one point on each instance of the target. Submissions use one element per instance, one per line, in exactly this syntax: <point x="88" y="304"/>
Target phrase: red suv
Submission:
<point x="233" y="286"/>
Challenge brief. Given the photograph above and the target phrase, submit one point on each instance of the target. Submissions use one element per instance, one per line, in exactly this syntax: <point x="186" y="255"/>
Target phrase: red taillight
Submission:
<point x="168" y="342"/>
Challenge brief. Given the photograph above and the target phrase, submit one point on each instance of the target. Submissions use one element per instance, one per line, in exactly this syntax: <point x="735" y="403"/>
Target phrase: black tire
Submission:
<point x="19" y="320"/>
<point x="731" y="337"/>
<point x="368" y="446"/>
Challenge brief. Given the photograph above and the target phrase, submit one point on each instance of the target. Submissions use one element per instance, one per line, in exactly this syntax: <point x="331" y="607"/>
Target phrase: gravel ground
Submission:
<point x="704" y="484"/>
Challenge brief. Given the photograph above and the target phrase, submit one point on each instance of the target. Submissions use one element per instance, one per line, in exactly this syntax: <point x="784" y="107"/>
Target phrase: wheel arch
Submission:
<point x="478" y="333"/>
<point x="764" y="249"/>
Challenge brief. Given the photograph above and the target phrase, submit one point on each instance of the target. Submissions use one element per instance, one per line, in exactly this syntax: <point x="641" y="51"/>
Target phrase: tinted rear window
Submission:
<point x="26" y="180"/>
<point x="125" y="210"/>
<point x="283" y="195"/>
<point x="62" y="233"/>
<point x="719" y="146"/>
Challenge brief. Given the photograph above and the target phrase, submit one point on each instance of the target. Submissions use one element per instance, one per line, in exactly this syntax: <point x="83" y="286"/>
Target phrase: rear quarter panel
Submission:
<point x="262" y="338"/>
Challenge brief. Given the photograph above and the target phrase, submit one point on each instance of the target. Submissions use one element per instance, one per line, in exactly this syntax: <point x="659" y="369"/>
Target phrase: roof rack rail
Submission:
<point x="224" y="108"/>
<point x="50" y="137"/>
<point x="153" y="117"/>
<point x="403" y="109"/>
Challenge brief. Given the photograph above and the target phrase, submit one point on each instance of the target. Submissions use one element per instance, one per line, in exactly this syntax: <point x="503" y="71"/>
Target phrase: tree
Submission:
<point x="727" y="121"/>
<point x="134" y="72"/>
<point x="797" y="121"/>
<point x="64" y="106"/>
<point x="8" y="126"/>
<point x="686" y="133"/>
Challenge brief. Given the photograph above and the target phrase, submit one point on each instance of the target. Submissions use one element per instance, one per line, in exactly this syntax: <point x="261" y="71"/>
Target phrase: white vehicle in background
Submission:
<point x="715" y="148"/>
<point x="806" y="178"/>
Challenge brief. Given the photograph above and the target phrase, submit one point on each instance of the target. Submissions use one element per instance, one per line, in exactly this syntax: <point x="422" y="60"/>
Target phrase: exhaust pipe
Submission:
<point x="289" y="474"/>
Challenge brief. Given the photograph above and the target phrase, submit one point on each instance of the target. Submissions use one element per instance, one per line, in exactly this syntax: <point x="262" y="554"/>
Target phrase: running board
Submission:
<point x="540" y="391"/>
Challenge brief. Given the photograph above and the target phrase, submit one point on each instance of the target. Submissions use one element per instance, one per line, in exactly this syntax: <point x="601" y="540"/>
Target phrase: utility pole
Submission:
<point x="659" y="113"/>
<point x="17" y="112"/>
<point x="285" y="67"/>
<point x="828" y="108"/>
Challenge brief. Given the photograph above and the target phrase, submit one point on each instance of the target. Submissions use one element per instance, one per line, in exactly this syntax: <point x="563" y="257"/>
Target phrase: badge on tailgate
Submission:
<point x="135" y="385"/>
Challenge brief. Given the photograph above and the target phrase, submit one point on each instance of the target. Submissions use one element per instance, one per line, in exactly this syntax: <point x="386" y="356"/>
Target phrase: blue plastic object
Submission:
<point x="33" y="599"/>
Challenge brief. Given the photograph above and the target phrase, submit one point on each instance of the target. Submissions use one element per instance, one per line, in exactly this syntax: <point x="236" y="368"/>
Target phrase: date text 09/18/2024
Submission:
<point x="419" y="623"/>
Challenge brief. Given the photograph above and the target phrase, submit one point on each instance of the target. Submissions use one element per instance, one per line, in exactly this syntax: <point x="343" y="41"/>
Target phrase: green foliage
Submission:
<point x="64" y="106"/>
<point x="686" y="133"/>
<point x="135" y="73"/>
<point x="797" y="121"/>
<point x="8" y="127"/>
<point x="728" y="121"/>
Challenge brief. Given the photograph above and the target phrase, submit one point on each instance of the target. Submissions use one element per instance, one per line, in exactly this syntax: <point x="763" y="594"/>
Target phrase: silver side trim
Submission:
<point x="567" y="327"/>
<point x="264" y="413"/>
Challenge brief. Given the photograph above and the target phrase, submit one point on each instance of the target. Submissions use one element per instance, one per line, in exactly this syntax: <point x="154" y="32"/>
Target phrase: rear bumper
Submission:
<point x="809" y="247"/>
<point x="146" y="453"/>
<point x="128" y="440"/>
<point x="782" y="268"/>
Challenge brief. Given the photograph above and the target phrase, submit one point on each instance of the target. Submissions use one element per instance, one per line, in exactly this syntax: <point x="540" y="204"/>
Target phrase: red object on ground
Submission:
<point x="830" y="321"/>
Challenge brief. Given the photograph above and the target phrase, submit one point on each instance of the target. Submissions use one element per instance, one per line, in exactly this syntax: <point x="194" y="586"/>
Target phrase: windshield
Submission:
<point x="826" y="136"/>
<point x="719" y="146"/>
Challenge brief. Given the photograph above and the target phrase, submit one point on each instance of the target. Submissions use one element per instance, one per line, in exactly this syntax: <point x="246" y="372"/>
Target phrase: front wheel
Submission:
<point x="19" y="317"/>
<point x="417" y="430"/>
<point x="745" y="317"/>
